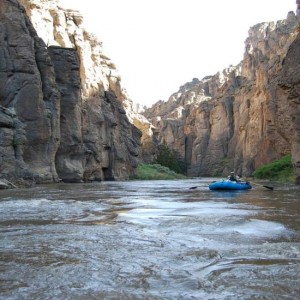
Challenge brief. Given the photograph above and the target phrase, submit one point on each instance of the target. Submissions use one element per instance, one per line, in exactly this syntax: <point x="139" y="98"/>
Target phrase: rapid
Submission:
<point x="149" y="240"/>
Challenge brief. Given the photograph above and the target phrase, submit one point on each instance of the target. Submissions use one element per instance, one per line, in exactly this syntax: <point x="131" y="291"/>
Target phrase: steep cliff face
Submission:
<point x="29" y="98"/>
<point x="241" y="117"/>
<point x="288" y="91"/>
<point x="64" y="114"/>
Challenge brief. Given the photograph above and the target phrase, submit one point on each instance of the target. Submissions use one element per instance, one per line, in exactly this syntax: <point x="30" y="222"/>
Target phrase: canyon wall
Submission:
<point x="244" y="116"/>
<point x="63" y="112"/>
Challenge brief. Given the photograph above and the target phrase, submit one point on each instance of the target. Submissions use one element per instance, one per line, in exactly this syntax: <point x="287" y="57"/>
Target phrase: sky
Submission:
<point x="159" y="45"/>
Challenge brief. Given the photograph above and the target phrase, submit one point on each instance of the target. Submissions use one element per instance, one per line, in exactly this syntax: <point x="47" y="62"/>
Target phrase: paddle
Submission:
<point x="194" y="187"/>
<point x="265" y="186"/>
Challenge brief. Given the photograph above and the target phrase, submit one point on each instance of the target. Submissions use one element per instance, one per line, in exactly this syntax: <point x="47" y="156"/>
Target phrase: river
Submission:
<point x="149" y="240"/>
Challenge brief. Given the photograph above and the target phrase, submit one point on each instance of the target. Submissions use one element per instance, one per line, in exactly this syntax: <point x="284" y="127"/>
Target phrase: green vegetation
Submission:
<point x="169" y="158"/>
<point x="156" y="172"/>
<point x="280" y="170"/>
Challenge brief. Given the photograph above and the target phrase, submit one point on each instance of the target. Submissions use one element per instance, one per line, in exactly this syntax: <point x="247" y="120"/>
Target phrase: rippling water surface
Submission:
<point x="149" y="240"/>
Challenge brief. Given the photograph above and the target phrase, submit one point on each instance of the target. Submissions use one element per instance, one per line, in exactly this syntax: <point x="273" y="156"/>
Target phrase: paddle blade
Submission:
<point x="193" y="187"/>
<point x="268" y="187"/>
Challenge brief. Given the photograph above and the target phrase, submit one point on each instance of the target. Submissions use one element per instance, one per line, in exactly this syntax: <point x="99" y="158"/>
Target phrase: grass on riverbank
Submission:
<point x="156" y="172"/>
<point x="279" y="170"/>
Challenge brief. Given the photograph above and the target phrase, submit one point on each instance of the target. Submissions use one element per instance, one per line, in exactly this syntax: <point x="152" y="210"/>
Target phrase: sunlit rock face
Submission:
<point x="241" y="117"/>
<point x="65" y="114"/>
<point x="287" y="91"/>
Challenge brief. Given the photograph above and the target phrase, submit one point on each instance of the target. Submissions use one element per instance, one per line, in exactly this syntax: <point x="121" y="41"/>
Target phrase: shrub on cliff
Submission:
<point x="171" y="159"/>
<point x="156" y="172"/>
<point x="281" y="170"/>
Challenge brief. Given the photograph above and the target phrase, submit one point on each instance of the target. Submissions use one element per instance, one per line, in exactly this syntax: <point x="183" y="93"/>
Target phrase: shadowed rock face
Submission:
<point x="29" y="97"/>
<point x="242" y="117"/>
<point x="70" y="155"/>
<point x="288" y="91"/>
<point x="63" y="112"/>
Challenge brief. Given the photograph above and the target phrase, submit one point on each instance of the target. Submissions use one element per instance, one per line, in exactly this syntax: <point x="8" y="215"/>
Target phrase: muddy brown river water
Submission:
<point x="149" y="240"/>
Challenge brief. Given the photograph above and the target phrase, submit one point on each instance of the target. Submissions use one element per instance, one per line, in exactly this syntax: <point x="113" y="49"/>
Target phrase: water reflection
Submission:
<point x="149" y="240"/>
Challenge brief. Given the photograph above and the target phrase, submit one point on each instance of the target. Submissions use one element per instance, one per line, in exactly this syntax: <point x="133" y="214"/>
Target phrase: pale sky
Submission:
<point x="159" y="45"/>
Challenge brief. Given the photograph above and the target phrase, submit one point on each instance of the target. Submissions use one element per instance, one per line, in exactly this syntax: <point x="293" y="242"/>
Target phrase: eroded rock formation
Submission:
<point x="244" y="116"/>
<point x="29" y="98"/>
<point x="64" y="113"/>
<point x="287" y="90"/>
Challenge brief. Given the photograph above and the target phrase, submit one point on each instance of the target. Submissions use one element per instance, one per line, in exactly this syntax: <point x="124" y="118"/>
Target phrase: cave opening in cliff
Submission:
<point x="107" y="173"/>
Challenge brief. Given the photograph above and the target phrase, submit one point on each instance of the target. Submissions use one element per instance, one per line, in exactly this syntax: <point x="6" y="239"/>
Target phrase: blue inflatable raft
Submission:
<point x="229" y="185"/>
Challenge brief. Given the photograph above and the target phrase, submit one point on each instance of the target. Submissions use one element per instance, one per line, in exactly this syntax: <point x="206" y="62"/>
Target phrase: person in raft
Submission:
<point x="233" y="177"/>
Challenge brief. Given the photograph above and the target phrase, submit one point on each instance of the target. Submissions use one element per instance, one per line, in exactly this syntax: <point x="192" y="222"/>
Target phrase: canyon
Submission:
<point x="244" y="116"/>
<point x="65" y="116"/>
